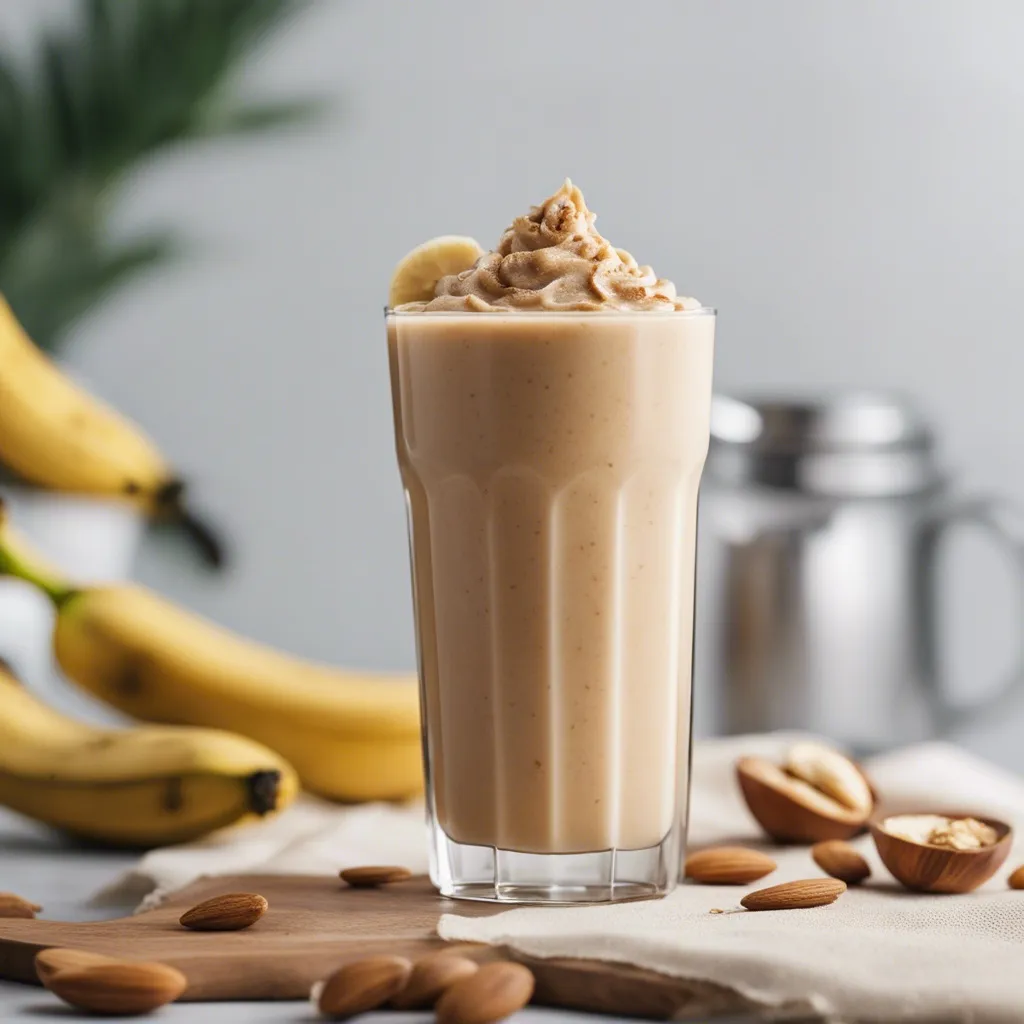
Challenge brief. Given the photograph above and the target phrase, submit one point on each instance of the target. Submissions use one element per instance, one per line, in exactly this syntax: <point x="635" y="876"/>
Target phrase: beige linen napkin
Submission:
<point x="311" y="838"/>
<point x="878" y="954"/>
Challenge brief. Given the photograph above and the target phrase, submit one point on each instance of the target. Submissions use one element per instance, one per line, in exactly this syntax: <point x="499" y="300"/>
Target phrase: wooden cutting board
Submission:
<point x="314" y="925"/>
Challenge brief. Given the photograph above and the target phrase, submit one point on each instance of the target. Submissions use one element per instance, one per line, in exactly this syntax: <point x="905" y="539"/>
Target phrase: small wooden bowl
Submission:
<point x="788" y="820"/>
<point x="938" y="868"/>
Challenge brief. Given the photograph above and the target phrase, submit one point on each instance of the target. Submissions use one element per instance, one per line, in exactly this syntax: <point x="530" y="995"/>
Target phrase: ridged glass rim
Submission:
<point x="390" y="311"/>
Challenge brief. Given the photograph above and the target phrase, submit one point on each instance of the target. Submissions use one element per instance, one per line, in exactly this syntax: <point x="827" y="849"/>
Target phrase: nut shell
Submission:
<point x="941" y="869"/>
<point x="790" y="810"/>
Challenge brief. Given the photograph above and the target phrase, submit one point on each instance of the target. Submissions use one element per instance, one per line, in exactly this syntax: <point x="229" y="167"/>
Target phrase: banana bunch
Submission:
<point x="146" y="786"/>
<point x="56" y="435"/>
<point x="350" y="736"/>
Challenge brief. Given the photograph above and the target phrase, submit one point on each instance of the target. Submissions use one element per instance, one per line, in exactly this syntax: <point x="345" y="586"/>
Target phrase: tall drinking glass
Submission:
<point x="551" y="463"/>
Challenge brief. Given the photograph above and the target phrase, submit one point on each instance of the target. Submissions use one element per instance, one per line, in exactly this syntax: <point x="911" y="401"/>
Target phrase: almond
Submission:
<point x="361" y="985"/>
<point x="728" y="865"/>
<point x="808" y="892"/>
<point x="15" y="906"/>
<point x="431" y="977"/>
<point x="228" y="913"/>
<point x="840" y="860"/>
<point x="372" y="875"/>
<point x="50" y="962"/>
<point x="119" y="987"/>
<point x="1017" y="878"/>
<point x="496" y="991"/>
<point x="831" y="773"/>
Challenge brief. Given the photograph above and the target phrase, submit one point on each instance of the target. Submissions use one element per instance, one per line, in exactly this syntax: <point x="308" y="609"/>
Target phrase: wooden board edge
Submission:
<point x="18" y="961"/>
<point x="600" y="986"/>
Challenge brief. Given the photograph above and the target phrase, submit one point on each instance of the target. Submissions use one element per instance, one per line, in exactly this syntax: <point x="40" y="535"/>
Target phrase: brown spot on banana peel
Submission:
<point x="174" y="795"/>
<point x="129" y="682"/>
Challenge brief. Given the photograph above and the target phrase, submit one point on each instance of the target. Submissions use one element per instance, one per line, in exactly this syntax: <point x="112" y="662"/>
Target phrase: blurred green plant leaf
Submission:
<point x="260" y="117"/>
<point x="80" y="276"/>
<point x="129" y="79"/>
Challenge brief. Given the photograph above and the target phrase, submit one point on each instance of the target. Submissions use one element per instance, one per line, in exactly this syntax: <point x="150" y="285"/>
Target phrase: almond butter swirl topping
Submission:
<point x="554" y="259"/>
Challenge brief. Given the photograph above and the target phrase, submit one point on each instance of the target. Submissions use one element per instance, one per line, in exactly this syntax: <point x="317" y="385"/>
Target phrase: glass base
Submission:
<point x="552" y="879"/>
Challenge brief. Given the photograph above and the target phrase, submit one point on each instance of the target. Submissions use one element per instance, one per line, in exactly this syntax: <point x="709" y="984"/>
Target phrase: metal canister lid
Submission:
<point x="858" y="443"/>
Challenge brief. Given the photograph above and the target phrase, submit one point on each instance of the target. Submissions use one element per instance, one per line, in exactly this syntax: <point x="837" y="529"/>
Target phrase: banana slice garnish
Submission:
<point x="417" y="274"/>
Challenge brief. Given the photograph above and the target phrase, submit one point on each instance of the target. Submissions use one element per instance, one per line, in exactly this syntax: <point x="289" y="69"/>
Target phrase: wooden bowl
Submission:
<point x="787" y="809"/>
<point x="938" y="868"/>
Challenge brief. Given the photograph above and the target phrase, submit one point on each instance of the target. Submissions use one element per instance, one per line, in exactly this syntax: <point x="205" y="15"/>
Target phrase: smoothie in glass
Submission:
<point x="551" y="413"/>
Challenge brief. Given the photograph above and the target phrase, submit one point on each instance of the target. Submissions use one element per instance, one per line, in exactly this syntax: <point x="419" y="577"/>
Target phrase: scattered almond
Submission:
<point x="431" y="977"/>
<point x="16" y="906"/>
<point x="728" y="865"/>
<point x="228" y="913"/>
<point x="716" y="910"/>
<point x="50" y="962"/>
<point x="808" y="892"/>
<point x="1017" y="878"/>
<point x="496" y="991"/>
<point x="361" y="985"/>
<point x="840" y="860"/>
<point x="119" y="987"/>
<point x="371" y="875"/>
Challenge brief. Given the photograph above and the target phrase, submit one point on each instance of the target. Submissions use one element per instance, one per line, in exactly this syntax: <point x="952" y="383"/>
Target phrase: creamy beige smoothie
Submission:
<point x="551" y="414"/>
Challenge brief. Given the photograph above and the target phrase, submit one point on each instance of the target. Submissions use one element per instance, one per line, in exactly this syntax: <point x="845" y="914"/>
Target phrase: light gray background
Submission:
<point x="842" y="179"/>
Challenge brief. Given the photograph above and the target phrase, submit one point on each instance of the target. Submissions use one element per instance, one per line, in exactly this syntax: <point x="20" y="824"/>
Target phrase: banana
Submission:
<point x="350" y="736"/>
<point x="417" y="273"/>
<point x="56" y="435"/>
<point x="146" y="786"/>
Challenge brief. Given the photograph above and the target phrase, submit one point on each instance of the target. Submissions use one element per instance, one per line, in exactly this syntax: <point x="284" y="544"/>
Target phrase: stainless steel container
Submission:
<point x="819" y="528"/>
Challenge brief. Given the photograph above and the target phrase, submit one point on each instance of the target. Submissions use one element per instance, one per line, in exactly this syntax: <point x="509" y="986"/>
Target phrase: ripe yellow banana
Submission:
<point x="350" y="736"/>
<point x="56" y="435"/>
<point x="146" y="786"/>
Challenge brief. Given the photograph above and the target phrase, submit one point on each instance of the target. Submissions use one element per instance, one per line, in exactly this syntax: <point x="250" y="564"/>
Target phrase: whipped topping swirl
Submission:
<point x="554" y="259"/>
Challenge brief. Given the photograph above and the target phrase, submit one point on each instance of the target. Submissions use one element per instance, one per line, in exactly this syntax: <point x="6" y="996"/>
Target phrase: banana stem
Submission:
<point x="14" y="564"/>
